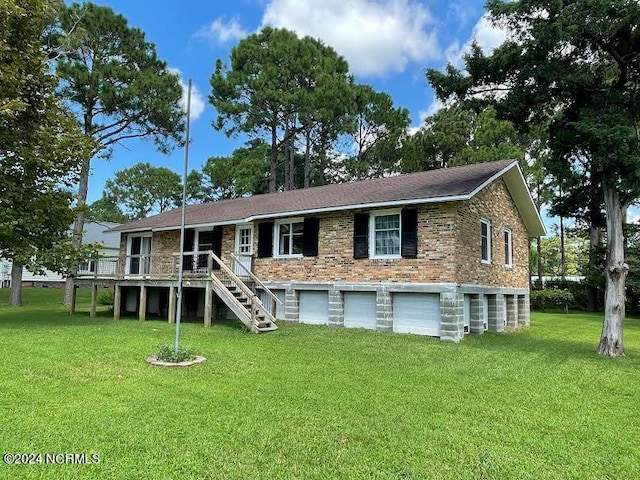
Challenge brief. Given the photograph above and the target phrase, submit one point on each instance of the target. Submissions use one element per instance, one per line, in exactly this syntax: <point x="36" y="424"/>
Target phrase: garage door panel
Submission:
<point x="360" y="310"/>
<point x="417" y="313"/>
<point x="314" y="307"/>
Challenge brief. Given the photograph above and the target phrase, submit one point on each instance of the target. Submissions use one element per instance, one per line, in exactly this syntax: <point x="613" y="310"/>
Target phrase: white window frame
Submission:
<point x="372" y="232"/>
<point x="244" y="226"/>
<point x="487" y="222"/>
<point x="276" y="237"/>
<point x="508" y="245"/>
<point x="196" y="240"/>
<point x="128" y="262"/>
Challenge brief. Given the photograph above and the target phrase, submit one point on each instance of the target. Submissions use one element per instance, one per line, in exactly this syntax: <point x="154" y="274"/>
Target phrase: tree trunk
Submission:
<point x="594" y="244"/>
<point x="563" y="265"/>
<point x="78" y="225"/>
<point x="15" y="293"/>
<point x="307" y="159"/>
<point x="292" y="165"/>
<point x="616" y="273"/>
<point x="273" y="160"/>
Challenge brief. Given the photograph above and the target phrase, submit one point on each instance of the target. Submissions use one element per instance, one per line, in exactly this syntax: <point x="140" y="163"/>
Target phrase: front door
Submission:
<point x="244" y="249"/>
<point x="140" y="256"/>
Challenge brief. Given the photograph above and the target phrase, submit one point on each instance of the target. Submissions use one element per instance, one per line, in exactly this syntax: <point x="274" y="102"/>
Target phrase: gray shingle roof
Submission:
<point x="428" y="186"/>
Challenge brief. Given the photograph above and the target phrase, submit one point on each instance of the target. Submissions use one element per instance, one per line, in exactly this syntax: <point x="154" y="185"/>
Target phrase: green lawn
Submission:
<point x="313" y="402"/>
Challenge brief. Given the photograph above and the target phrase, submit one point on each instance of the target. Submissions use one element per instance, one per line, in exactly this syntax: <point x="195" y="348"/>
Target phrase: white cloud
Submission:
<point x="222" y="32"/>
<point x="376" y="37"/>
<point x="197" y="100"/>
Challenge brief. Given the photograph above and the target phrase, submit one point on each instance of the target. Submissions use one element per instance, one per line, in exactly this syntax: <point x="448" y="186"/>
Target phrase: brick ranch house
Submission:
<point x="439" y="253"/>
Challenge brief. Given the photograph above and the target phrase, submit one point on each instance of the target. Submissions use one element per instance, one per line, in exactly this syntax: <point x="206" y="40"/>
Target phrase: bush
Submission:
<point x="577" y="289"/>
<point x="542" y="299"/>
<point x="106" y="298"/>
<point x="167" y="353"/>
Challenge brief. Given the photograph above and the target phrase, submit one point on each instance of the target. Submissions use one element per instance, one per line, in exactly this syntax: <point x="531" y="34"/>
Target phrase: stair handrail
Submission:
<point x="232" y="298"/>
<point x="257" y="280"/>
<point x="239" y="283"/>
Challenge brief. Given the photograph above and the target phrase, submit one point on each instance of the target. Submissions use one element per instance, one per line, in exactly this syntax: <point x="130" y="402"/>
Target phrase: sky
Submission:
<point x="388" y="44"/>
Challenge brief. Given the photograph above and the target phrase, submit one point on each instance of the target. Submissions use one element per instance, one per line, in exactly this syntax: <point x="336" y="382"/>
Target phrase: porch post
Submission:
<point x="207" y="303"/>
<point x="94" y="299"/>
<point x="117" y="301"/>
<point x="172" y="305"/>
<point x="142" y="316"/>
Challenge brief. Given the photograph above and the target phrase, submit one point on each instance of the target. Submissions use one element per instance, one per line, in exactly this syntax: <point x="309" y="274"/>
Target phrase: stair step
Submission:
<point x="267" y="329"/>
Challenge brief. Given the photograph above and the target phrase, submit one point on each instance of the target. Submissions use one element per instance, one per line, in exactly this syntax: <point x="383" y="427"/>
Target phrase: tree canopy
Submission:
<point x="112" y="78"/>
<point x="143" y="189"/>
<point x="40" y="146"/>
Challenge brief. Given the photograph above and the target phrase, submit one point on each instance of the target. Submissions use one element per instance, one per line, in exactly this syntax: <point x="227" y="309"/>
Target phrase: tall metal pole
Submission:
<point x="182" y="222"/>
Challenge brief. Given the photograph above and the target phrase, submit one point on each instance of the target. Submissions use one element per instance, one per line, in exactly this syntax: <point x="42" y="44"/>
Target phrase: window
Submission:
<point x="486" y="240"/>
<point x="139" y="259"/>
<point x="385" y="234"/>
<point x="508" y="248"/>
<point x="204" y="244"/>
<point x="290" y="238"/>
<point x="244" y="241"/>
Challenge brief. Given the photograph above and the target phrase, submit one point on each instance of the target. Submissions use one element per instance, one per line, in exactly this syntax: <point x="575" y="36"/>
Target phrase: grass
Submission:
<point x="312" y="402"/>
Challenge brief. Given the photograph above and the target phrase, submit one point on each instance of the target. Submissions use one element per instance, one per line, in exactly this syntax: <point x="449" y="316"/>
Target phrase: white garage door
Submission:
<point x="466" y="313"/>
<point x="314" y="307"/>
<point x="485" y="311"/>
<point x="360" y="310"/>
<point x="416" y="313"/>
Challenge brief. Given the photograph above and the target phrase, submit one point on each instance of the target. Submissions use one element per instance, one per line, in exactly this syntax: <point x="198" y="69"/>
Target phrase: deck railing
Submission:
<point x="149" y="266"/>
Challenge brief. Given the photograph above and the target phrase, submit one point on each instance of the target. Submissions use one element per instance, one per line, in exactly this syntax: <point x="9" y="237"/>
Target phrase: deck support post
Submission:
<point x="208" y="304"/>
<point x="142" y="316"/>
<point x="117" y="302"/>
<point x="94" y="299"/>
<point x="171" y="317"/>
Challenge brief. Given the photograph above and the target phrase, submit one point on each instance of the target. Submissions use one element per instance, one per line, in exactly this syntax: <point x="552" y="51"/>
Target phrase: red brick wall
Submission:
<point x="449" y="247"/>
<point x="335" y="262"/>
<point x="494" y="203"/>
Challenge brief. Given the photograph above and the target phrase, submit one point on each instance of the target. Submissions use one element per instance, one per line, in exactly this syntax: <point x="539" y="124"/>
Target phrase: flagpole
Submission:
<point x="182" y="222"/>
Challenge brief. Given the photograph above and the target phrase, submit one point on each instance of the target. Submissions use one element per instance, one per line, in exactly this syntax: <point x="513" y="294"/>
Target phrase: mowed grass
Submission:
<point x="312" y="402"/>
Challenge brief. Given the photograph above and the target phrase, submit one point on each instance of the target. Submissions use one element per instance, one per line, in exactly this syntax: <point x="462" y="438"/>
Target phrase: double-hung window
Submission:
<point x="485" y="228"/>
<point x="385" y="234"/>
<point x="290" y="237"/>
<point x="508" y="248"/>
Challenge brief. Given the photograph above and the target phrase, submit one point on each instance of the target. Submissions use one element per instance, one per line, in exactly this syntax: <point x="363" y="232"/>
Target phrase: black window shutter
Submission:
<point x="361" y="235"/>
<point x="409" y="244"/>
<point x="189" y="237"/>
<point x="265" y="240"/>
<point x="216" y="244"/>
<point x="216" y="241"/>
<point x="310" y="237"/>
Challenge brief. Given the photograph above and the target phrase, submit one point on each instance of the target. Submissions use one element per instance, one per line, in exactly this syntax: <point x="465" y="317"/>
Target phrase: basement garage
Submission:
<point x="360" y="310"/>
<point x="314" y="307"/>
<point x="417" y="313"/>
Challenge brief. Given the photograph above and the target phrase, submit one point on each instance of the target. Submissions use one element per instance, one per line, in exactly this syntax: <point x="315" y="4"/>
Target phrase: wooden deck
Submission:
<point x="234" y="284"/>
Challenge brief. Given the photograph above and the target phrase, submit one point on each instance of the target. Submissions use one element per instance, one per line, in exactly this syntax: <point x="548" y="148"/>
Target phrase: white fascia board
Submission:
<point x="521" y="196"/>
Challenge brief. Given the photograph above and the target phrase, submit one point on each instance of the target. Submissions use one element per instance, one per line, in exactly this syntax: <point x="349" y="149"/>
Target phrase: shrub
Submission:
<point x="542" y="299"/>
<point x="167" y="353"/>
<point x="106" y="298"/>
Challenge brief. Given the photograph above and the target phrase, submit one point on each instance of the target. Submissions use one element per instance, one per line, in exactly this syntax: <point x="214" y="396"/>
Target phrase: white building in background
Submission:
<point x="94" y="232"/>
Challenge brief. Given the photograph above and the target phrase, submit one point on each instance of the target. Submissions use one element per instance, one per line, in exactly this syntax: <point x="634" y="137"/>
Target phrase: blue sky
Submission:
<point x="388" y="44"/>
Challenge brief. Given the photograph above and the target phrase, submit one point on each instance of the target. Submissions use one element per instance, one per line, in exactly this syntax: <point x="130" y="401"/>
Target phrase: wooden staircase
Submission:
<point x="242" y="299"/>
